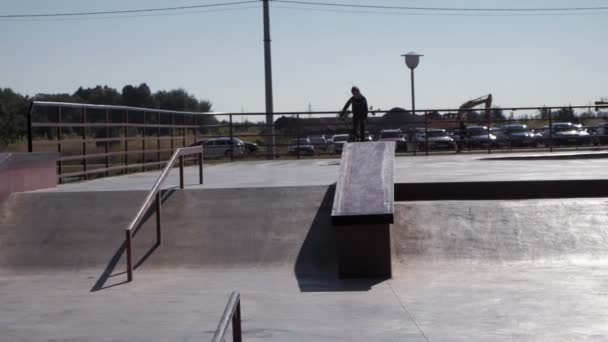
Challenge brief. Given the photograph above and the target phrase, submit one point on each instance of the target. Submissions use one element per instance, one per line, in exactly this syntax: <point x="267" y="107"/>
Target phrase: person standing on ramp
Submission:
<point x="359" y="104"/>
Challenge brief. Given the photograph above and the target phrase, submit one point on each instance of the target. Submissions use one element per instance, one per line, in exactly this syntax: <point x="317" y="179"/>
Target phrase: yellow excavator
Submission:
<point x="602" y="102"/>
<point x="464" y="110"/>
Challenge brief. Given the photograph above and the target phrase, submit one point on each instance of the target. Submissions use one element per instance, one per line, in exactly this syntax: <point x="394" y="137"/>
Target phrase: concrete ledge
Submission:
<point x="363" y="210"/>
<point x="364" y="191"/>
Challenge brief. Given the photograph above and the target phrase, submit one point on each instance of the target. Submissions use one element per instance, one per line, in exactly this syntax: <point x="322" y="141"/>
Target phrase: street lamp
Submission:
<point x="411" y="60"/>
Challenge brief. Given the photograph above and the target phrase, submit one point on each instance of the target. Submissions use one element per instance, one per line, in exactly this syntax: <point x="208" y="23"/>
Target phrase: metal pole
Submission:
<point x="158" y="205"/>
<point x="30" y="146"/>
<point x="59" y="137"/>
<point x="200" y="168"/>
<point x="413" y="94"/>
<point x="107" y="142"/>
<point x="268" y="79"/>
<point x="181" y="172"/>
<point x="232" y="144"/>
<point x="426" y="131"/>
<point x="550" y="130"/>
<point x="298" y="135"/>
<point x="489" y="120"/>
<point x="128" y="251"/>
<point x="126" y="142"/>
<point x="143" y="143"/>
<point x="158" y="141"/>
<point x="84" y="142"/>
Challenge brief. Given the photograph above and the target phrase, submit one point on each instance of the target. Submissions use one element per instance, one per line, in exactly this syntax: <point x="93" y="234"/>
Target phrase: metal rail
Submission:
<point x="155" y="195"/>
<point x="232" y="313"/>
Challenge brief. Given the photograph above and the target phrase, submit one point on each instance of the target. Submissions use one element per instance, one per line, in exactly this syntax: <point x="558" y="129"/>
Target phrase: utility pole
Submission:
<point x="268" y="76"/>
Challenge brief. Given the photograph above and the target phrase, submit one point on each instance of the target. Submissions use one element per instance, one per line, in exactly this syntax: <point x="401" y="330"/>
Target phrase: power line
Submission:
<point x="53" y="19"/>
<point x="410" y="13"/>
<point x="444" y="9"/>
<point x="141" y="10"/>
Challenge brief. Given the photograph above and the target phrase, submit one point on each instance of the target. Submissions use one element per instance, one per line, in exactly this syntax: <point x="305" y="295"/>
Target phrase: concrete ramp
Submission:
<point x="267" y="227"/>
<point x="501" y="231"/>
<point x="201" y="228"/>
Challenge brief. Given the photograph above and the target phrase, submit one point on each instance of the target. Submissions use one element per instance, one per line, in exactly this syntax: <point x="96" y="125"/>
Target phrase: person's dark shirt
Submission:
<point x="359" y="104"/>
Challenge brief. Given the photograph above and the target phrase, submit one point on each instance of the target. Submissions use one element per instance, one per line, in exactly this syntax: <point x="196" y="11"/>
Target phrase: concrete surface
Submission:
<point x="312" y="172"/>
<point x="527" y="270"/>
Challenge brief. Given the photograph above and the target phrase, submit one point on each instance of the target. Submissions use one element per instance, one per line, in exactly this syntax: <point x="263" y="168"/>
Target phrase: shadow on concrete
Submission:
<point x="316" y="267"/>
<point x="108" y="272"/>
<point x="501" y="190"/>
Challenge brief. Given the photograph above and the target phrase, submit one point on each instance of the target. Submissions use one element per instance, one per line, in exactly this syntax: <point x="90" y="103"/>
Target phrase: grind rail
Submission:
<point x="155" y="195"/>
<point x="232" y="313"/>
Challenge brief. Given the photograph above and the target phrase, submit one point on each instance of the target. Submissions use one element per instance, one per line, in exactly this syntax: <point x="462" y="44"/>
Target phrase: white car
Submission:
<point x="394" y="135"/>
<point x="338" y="142"/>
<point x="438" y="139"/>
<point x="222" y="147"/>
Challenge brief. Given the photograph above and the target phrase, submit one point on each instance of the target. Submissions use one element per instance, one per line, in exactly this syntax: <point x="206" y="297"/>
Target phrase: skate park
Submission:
<point x="481" y="248"/>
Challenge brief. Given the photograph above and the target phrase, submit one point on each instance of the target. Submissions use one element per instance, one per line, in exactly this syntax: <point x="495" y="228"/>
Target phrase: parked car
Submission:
<point x="476" y="137"/>
<point x="395" y="135"/>
<point x="338" y="142"/>
<point x="516" y="135"/>
<point x="319" y="142"/>
<point x="301" y="146"/>
<point x="220" y="147"/>
<point x="438" y="139"/>
<point x="250" y="147"/>
<point x="599" y="135"/>
<point x="566" y="133"/>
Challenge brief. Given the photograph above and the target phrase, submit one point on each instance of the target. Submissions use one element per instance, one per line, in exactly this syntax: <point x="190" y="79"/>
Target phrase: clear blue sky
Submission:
<point x="317" y="56"/>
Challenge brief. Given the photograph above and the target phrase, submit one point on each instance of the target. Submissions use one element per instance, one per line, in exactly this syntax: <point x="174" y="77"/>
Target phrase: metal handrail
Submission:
<point x="155" y="193"/>
<point x="116" y="107"/>
<point x="231" y="313"/>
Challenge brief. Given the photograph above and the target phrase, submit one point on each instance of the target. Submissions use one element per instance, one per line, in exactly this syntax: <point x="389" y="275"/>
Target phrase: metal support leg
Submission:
<point x="158" y="206"/>
<point x="181" y="172"/>
<point x="128" y="251"/>
<point x="236" y="324"/>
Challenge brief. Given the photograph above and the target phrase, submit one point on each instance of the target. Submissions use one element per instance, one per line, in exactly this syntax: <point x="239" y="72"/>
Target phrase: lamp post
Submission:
<point x="411" y="60"/>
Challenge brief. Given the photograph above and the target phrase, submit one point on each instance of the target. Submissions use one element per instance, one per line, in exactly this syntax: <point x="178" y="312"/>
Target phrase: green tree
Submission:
<point x="99" y="95"/>
<point x="139" y="96"/>
<point x="13" y="116"/>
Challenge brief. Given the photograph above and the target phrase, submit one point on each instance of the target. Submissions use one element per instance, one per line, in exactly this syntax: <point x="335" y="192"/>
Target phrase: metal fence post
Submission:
<point x="489" y="130"/>
<point x="158" y="141"/>
<point x="84" y="142"/>
<point x="126" y="140"/>
<point x="59" y="137"/>
<point x="232" y="144"/>
<point x="550" y="130"/>
<point x="30" y="145"/>
<point x="143" y="142"/>
<point x="200" y="168"/>
<point x="426" y="131"/>
<point x="107" y="141"/>
<point x="298" y="134"/>
<point x="172" y="123"/>
<point x="181" y="172"/>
